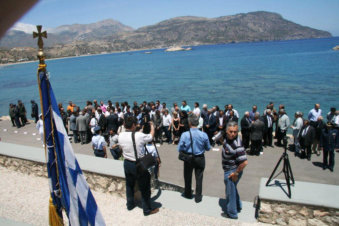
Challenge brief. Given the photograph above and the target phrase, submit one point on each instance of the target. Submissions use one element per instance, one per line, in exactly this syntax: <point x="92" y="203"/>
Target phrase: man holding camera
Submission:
<point x="194" y="142"/>
<point x="132" y="176"/>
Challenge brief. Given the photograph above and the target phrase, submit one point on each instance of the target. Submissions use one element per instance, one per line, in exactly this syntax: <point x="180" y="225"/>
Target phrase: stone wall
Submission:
<point x="296" y="215"/>
<point x="97" y="182"/>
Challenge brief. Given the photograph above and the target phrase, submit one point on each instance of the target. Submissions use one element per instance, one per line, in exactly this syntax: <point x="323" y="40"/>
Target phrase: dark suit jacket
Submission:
<point x="224" y="122"/>
<point x="257" y="130"/>
<point x="232" y="119"/>
<point x="112" y="122"/>
<point x="265" y="120"/>
<point x="309" y="137"/>
<point x="212" y="122"/>
<point x="245" y="125"/>
<point x="102" y="122"/>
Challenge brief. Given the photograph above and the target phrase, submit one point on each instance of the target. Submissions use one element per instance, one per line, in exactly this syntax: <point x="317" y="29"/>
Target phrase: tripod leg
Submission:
<point x="287" y="176"/>
<point x="289" y="168"/>
<point x="275" y="168"/>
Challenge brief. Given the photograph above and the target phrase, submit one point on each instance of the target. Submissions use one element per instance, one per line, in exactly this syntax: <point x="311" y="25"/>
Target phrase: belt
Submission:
<point x="129" y="160"/>
<point x="201" y="155"/>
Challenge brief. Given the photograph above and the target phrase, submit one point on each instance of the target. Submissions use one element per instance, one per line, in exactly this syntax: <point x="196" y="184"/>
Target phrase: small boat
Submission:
<point x="148" y="52"/>
<point x="177" y="48"/>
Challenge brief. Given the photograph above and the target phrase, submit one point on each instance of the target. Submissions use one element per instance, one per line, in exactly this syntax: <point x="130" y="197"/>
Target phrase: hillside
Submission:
<point x="110" y="35"/>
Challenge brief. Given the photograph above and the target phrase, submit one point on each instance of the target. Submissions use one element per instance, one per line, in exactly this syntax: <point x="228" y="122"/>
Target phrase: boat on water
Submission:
<point x="336" y="47"/>
<point x="177" y="48"/>
<point x="147" y="52"/>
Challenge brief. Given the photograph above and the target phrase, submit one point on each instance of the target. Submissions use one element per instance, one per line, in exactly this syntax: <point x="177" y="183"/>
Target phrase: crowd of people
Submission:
<point x="195" y="130"/>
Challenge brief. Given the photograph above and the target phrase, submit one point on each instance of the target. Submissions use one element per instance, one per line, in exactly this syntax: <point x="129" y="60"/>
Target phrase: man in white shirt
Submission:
<point x="229" y="109"/>
<point x="166" y="126"/>
<point x="314" y="114"/>
<point x="297" y="124"/>
<point x="144" y="179"/>
<point x="196" y="109"/>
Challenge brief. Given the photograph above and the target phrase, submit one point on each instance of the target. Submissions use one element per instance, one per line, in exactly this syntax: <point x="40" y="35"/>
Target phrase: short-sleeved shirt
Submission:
<point x="200" y="142"/>
<point x="233" y="154"/>
<point x="98" y="142"/>
<point x="186" y="108"/>
<point x="113" y="140"/>
<point x="126" y="144"/>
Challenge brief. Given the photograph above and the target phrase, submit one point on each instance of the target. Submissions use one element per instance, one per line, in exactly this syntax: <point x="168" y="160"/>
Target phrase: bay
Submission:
<point x="297" y="73"/>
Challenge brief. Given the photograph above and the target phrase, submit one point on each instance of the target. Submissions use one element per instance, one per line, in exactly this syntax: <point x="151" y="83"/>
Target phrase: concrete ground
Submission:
<point x="213" y="185"/>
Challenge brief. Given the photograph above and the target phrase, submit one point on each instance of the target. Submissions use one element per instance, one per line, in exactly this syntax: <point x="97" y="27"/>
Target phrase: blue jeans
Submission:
<point x="116" y="153"/>
<point x="233" y="202"/>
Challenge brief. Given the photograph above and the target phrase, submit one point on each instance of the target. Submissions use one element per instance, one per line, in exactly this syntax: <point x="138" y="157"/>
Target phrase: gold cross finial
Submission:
<point x="40" y="35"/>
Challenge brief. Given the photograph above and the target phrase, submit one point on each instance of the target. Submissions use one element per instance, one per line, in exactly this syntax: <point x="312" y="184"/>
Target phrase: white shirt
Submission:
<point x="113" y="140"/>
<point x="201" y="123"/>
<point x="98" y="142"/>
<point x="236" y="114"/>
<point x="298" y="124"/>
<point x="151" y="149"/>
<point x="313" y="115"/>
<point x="196" y="111"/>
<point x="221" y="120"/>
<point x="126" y="144"/>
<point x="166" y="120"/>
<point x="93" y="123"/>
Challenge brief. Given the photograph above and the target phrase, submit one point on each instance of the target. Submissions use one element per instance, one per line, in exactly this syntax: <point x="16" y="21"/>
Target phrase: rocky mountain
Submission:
<point x="249" y="27"/>
<point x="110" y="35"/>
<point x="64" y="34"/>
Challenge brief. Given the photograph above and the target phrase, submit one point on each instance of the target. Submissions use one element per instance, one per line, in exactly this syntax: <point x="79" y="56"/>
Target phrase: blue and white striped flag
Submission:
<point x="68" y="186"/>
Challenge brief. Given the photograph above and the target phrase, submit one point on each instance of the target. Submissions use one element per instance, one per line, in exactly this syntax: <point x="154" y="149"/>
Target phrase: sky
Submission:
<point x="319" y="14"/>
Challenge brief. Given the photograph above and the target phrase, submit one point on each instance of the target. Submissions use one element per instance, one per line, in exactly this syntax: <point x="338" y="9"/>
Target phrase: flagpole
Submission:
<point x="54" y="218"/>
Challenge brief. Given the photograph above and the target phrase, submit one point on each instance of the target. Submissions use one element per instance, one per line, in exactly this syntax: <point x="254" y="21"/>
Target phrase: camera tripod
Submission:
<point x="287" y="170"/>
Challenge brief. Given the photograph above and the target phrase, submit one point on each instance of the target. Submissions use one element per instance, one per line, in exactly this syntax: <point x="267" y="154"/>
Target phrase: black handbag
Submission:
<point x="144" y="163"/>
<point x="187" y="157"/>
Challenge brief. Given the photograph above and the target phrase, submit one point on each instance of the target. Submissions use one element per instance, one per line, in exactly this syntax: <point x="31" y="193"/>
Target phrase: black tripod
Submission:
<point x="287" y="170"/>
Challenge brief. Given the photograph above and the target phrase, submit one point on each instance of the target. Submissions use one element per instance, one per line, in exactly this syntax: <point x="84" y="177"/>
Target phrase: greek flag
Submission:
<point x="68" y="186"/>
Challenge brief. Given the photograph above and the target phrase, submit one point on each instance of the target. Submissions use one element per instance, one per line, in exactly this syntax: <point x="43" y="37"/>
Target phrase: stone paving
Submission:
<point x="213" y="185"/>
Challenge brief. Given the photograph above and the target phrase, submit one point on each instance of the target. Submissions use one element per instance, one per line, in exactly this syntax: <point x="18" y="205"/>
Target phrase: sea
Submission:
<point x="296" y="73"/>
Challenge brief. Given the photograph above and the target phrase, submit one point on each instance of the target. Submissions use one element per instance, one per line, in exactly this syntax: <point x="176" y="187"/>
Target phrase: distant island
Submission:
<point x="112" y="36"/>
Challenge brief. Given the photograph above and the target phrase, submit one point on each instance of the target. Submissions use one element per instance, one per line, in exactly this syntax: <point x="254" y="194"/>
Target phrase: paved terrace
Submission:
<point x="172" y="169"/>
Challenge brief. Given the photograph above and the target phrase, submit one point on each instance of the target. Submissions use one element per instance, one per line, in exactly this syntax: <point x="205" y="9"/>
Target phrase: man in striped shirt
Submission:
<point x="234" y="160"/>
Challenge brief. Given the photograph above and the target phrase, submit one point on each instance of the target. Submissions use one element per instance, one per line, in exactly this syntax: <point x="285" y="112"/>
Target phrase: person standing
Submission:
<point x="252" y="113"/>
<point x="40" y="127"/>
<point x="327" y="144"/>
<point x="245" y="129"/>
<point x="257" y="130"/>
<point x="314" y="114"/>
<point x="196" y="109"/>
<point x="81" y="126"/>
<point x="22" y="113"/>
<point x="283" y="124"/>
<point x="297" y="124"/>
<point x="35" y="111"/>
<point x="157" y="122"/>
<point x="268" y="121"/>
<point x="196" y="143"/>
<point x="166" y="126"/>
<point x="306" y="137"/>
<point x="17" y="116"/>
<point x="185" y="107"/>
<point x="234" y="161"/>
<point x="73" y="127"/>
<point x="132" y="176"/>
<point x="210" y="126"/>
<point x="12" y="114"/>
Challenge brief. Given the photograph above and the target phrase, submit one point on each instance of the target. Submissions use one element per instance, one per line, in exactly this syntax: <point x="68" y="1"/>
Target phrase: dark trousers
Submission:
<point x="281" y="134"/>
<point x="210" y="134"/>
<point x="307" y="151"/>
<point x="157" y="134"/>
<point x="256" y="146"/>
<point x="268" y="136"/>
<point x="328" y="158"/>
<point x="23" y="119"/>
<point x="17" y="122"/>
<point x="144" y="182"/>
<point x="83" y="137"/>
<point x="198" y="164"/>
<point x="75" y="136"/>
<point x="116" y="153"/>
<point x="245" y="135"/>
<point x="36" y="118"/>
<point x="13" y="121"/>
<point x="167" y="133"/>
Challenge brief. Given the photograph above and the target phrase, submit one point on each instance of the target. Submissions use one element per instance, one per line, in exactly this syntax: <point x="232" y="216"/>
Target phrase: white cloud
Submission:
<point x="28" y="28"/>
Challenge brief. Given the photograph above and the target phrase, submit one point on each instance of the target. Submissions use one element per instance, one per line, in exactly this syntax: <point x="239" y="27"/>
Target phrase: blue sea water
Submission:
<point x="295" y="73"/>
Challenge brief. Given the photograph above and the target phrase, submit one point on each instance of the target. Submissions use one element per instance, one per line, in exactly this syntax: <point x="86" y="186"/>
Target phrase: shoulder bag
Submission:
<point x="184" y="156"/>
<point x="144" y="163"/>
